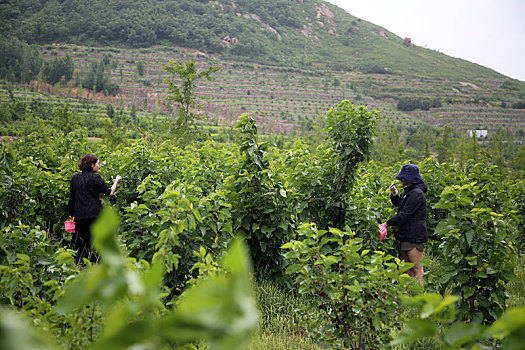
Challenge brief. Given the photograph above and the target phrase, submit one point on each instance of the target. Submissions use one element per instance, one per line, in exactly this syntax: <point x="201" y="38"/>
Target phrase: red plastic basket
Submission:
<point x="70" y="226"/>
<point x="382" y="232"/>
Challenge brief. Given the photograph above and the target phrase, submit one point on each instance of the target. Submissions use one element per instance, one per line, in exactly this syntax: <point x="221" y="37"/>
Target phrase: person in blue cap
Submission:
<point x="411" y="217"/>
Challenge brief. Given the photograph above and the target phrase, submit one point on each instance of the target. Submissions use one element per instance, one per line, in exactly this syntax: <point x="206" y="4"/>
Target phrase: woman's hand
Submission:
<point x="393" y="189"/>
<point x="115" y="183"/>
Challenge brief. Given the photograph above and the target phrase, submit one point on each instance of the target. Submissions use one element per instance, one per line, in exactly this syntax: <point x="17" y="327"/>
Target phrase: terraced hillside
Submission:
<point x="284" y="99"/>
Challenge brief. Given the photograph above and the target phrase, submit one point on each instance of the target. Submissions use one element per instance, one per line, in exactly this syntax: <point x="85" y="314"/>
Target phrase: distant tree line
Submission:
<point x="20" y="62"/>
<point x="413" y="103"/>
<point x="98" y="77"/>
<point x="375" y="69"/>
<point x="519" y="105"/>
<point x="503" y="147"/>
<point x="59" y="69"/>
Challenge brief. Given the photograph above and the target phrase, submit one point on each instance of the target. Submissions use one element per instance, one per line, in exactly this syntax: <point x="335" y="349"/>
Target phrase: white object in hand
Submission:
<point x="393" y="189"/>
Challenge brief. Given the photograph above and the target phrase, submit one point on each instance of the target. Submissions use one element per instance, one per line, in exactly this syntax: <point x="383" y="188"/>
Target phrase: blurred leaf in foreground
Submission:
<point x="15" y="334"/>
<point x="221" y="309"/>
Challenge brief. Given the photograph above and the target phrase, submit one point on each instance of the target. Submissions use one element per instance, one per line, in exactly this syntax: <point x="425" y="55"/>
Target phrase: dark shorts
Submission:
<point x="409" y="246"/>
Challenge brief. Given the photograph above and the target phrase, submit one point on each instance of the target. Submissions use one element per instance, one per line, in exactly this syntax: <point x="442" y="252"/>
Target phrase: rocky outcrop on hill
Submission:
<point x="325" y="15"/>
<point x="227" y="41"/>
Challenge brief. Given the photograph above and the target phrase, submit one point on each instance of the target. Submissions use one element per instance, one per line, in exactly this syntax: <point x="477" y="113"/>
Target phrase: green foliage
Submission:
<point x="356" y="289"/>
<point x="476" y="252"/>
<point x="519" y="105"/>
<point x="437" y="310"/>
<point x="413" y="103"/>
<point x="434" y="309"/>
<point x="19" y="61"/>
<point x="389" y="146"/>
<point x="172" y="206"/>
<point x="98" y="77"/>
<point x="446" y="146"/>
<point x="28" y="180"/>
<point x="350" y="131"/>
<point x="517" y="196"/>
<point x="219" y="309"/>
<point x="182" y="207"/>
<point x="65" y="120"/>
<point x="375" y="69"/>
<point x="287" y="33"/>
<point x="261" y="203"/>
<point x="59" y="69"/>
<point x="140" y="68"/>
<point x="184" y="95"/>
<point x="15" y="333"/>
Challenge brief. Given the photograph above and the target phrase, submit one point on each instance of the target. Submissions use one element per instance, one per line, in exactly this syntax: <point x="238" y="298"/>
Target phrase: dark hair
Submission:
<point x="86" y="162"/>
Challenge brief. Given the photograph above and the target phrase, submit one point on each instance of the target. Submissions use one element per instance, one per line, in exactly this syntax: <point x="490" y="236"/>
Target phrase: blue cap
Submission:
<point x="409" y="173"/>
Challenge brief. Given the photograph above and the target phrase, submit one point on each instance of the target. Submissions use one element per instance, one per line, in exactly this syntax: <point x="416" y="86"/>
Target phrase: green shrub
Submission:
<point x="477" y="253"/>
<point x="356" y="289"/>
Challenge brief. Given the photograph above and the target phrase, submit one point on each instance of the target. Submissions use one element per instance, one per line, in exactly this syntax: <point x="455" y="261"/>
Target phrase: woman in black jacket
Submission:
<point x="85" y="205"/>
<point x="411" y="217"/>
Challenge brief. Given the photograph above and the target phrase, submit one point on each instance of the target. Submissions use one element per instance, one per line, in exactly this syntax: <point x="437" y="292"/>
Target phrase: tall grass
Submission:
<point x="516" y="288"/>
<point x="282" y="325"/>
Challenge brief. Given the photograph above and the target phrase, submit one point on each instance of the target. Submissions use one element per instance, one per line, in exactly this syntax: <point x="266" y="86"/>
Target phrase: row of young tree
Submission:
<point x="503" y="148"/>
<point x="310" y="213"/>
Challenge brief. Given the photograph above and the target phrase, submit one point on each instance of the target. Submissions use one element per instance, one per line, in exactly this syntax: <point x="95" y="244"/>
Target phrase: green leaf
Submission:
<point x="22" y="258"/>
<point x="468" y="292"/>
<point x="432" y="303"/>
<point x="469" y="234"/>
<point x="414" y="330"/>
<point x="461" y="333"/>
<point x="287" y="245"/>
<point x="447" y="275"/>
<point x="104" y="232"/>
<point x="445" y="225"/>
<point x="50" y="283"/>
<point x="220" y="309"/>
<point x="15" y="333"/>
<point x="197" y="215"/>
<point x="511" y="320"/>
<point x="337" y="232"/>
<point x="431" y="308"/>
<point x="134" y="333"/>
<point x="514" y="341"/>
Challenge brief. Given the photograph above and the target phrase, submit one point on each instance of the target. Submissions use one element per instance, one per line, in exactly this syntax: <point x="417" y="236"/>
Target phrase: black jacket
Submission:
<point x="84" y="191"/>
<point x="411" y="217"/>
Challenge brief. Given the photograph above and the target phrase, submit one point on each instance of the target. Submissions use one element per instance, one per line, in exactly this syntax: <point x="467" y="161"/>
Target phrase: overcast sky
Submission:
<point x="488" y="32"/>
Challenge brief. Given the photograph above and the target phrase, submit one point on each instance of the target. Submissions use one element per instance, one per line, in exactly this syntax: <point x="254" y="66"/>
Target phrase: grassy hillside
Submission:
<point x="284" y="62"/>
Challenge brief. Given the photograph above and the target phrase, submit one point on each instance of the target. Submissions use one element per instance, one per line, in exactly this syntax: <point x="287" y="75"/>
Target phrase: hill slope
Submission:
<point x="300" y="33"/>
<point x="285" y="62"/>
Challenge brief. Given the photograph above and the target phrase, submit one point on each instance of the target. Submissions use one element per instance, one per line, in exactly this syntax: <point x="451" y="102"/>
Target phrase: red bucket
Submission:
<point x="70" y="226"/>
<point x="382" y="232"/>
